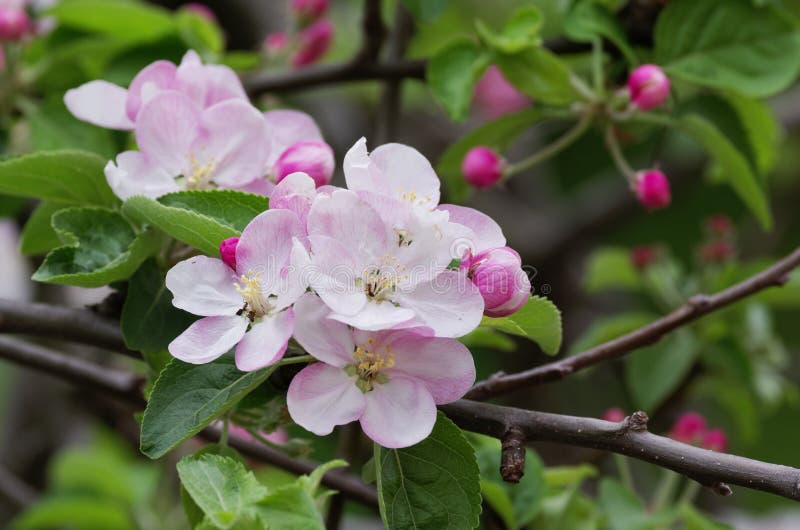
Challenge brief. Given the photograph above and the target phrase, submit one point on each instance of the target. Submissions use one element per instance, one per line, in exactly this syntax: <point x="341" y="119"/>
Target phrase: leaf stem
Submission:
<point x="223" y="437"/>
<point x="615" y="151"/>
<point x="597" y="66"/>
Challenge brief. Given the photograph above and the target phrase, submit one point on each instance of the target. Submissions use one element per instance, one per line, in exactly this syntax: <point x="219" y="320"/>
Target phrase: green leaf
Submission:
<point x="452" y="73"/>
<point x="625" y="511"/>
<point x="52" y="127"/>
<point x="735" y="167"/>
<point x="434" y="485"/>
<point x="610" y="328"/>
<point x="38" y="235"/>
<point x="201" y="219"/>
<point x="695" y="43"/>
<point x="187" y="397"/>
<point x="520" y="32"/>
<point x="694" y="520"/>
<point x="221" y="487"/>
<point x="149" y="320"/>
<point x="568" y="476"/>
<point x="101" y="247"/>
<point x="310" y="483"/>
<point x="134" y="21"/>
<point x="199" y="33"/>
<point x="611" y="268"/>
<point x="538" y="73"/>
<point x="761" y="128"/>
<point x="653" y="373"/>
<point x="489" y="339"/>
<point x="425" y="10"/>
<point x="290" y="508"/>
<point x="539" y="320"/>
<point x="497" y="134"/>
<point x="76" y="512"/>
<point x="71" y="177"/>
<point x="588" y="20"/>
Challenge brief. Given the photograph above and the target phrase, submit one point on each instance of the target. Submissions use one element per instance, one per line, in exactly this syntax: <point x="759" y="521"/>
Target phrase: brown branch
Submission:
<point x="631" y="438"/>
<point x="512" y="454"/>
<point x="77" y="325"/>
<point x="16" y="490"/>
<point x="695" y="307"/>
<point x="373" y="33"/>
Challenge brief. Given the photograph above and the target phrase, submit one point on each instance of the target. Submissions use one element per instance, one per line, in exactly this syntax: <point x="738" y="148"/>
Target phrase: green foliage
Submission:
<point x="625" y="511"/>
<point x="694" y="42"/>
<point x="611" y="327"/>
<point x="100" y="247"/>
<point x="452" y="74"/>
<point x="38" y="236"/>
<point x="201" y="219"/>
<point x="187" y="397"/>
<point x="538" y="73"/>
<point x="611" y="268"/>
<point x="425" y="10"/>
<point x="588" y="20"/>
<point x="539" y="320"/>
<point x="149" y="320"/>
<point x="199" y="33"/>
<point x="132" y="21"/>
<point x="564" y="507"/>
<point x="52" y="127"/>
<point x="694" y="520"/>
<point x="520" y="32"/>
<point x="434" y="485"/>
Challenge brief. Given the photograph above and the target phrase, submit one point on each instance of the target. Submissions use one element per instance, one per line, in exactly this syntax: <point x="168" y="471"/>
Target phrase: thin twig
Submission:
<point x="388" y="109"/>
<point x="695" y="307"/>
<point x="14" y="489"/>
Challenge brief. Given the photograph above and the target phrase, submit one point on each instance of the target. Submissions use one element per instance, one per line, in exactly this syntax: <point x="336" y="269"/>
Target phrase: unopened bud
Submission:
<point x="652" y="189"/>
<point x="716" y="440"/>
<point x="482" y="167"/>
<point x="614" y="414"/>
<point x="312" y="158"/>
<point x="14" y="23"/>
<point x="717" y="251"/>
<point x="276" y="42"/>
<point x="648" y="86"/>
<point x="314" y="42"/>
<point x="689" y="428"/>
<point x="227" y="250"/>
<point x="719" y="225"/>
<point x="498" y="275"/>
<point x="643" y="255"/>
<point x="495" y="96"/>
<point x="201" y="10"/>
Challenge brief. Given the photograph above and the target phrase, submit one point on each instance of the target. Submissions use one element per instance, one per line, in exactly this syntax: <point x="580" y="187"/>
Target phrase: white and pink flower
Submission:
<point x="390" y="381"/>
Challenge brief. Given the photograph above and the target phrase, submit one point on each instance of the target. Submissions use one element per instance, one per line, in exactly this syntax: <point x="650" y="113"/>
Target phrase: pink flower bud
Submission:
<point x="312" y="158"/>
<point x="652" y="189"/>
<point x="314" y="42"/>
<point x="716" y="440"/>
<point x="482" y="167"/>
<point x="648" y="86"/>
<point x="689" y="428"/>
<point x="495" y="96"/>
<point x="227" y="250"/>
<point x="719" y="225"/>
<point x="201" y="10"/>
<point x="614" y="414"/>
<point x="14" y="23"/>
<point x="309" y="9"/>
<point x="276" y="42"/>
<point x="717" y="251"/>
<point x="498" y="275"/>
<point x="643" y="255"/>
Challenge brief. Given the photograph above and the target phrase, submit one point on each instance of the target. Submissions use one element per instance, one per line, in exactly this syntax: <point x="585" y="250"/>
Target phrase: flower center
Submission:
<point x="200" y="175"/>
<point x="370" y="359"/>
<point x="413" y="198"/>
<point x="255" y="303"/>
<point x="381" y="281"/>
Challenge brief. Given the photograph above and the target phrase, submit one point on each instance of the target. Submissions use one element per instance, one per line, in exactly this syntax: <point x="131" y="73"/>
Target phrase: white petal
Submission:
<point x="204" y="286"/>
<point x="321" y="397"/>
<point x="100" y="103"/>
<point x="208" y="338"/>
<point x="399" y="413"/>
<point x="265" y="342"/>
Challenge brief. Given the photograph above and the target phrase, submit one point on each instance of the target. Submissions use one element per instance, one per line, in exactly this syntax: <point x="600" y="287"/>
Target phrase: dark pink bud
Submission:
<point x="643" y="255"/>
<point x="482" y="167"/>
<point x="312" y="158"/>
<point x="719" y="225"/>
<point x="689" y="428"/>
<point x="201" y="10"/>
<point x="314" y="42"/>
<point x="652" y="189"/>
<point x="498" y="275"/>
<point x="14" y="24"/>
<point x="648" y="86"/>
<point x="495" y="96"/>
<point x="717" y="251"/>
<point x="614" y="414"/>
<point x="227" y="250"/>
<point x="309" y="9"/>
<point x="276" y="42"/>
<point x="716" y="440"/>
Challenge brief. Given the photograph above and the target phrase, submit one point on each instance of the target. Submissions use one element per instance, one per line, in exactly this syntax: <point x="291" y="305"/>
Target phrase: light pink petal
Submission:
<point x="295" y="278"/>
<point x="333" y="275"/>
<point x="358" y="168"/>
<point x="346" y="218"/>
<point x="376" y="315"/>
<point x="99" y="103"/>
<point x="405" y="171"/>
<point x="266" y="245"/>
<point x="204" y="286"/>
<point x="296" y="193"/>
<point x="287" y="127"/>
<point x="444" y="366"/>
<point x="321" y="397"/>
<point x="208" y="338"/>
<point x="259" y="186"/>
<point x="234" y="140"/>
<point x="328" y="340"/>
<point x="132" y="175"/>
<point x="399" y="413"/>
<point x="165" y="130"/>
<point x="487" y="232"/>
<point x="265" y="342"/>
<point x="153" y="79"/>
<point x="207" y="84"/>
<point x="395" y="213"/>
<point x="450" y="304"/>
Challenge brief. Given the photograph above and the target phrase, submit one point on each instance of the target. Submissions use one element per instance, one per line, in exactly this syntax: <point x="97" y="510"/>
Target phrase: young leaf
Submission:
<point x="694" y="42"/>
<point x="539" y="320"/>
<point x="609" y="328"/>
<point x="694" y="520"/>
<point x="611" y="268"/>
<point x="434" y="485"/>
<point x="625" y="511"/>
<point x="538" y="73"/>
<point x="187" y="397"/>
<point x="588" y="20"/>
<point x="425" y="10"/>
<point x="149" y="320"/>
<point x="452" y="74"/>
<point x="761" y="127"/>
<point x="520" y="32"/>
<point x="82" y="512"/>
<point x="101" y="247"/>
<point x="38" y="236"/>
<point x="134" y="21"/>
<point x="199" y="33"/>
<point x="53" y="127"/>
<point x="71" y="177"/>
<point x="230" y="207"/>
<point x="290" y="508"/>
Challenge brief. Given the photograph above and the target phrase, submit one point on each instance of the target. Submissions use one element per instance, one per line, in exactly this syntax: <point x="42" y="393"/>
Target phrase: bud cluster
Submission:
<point x="311" y="38"/>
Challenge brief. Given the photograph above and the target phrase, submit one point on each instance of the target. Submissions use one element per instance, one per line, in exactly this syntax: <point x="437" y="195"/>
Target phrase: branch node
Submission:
<point x="636" y="422"/>
<point x="512" y="456"/>
<point x="700" y="301"/>
<point x="722" y="489"/>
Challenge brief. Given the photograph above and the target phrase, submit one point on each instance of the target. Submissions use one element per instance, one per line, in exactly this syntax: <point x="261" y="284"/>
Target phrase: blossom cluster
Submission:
<point x="375" y="280"/>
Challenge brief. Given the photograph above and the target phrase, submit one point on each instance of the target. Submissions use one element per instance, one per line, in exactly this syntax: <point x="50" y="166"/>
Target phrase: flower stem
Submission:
<point x="295" y="360"/>
<point x="554" y="148"/>
<point x="223" y="437"/>
<point x="616" y="154"/>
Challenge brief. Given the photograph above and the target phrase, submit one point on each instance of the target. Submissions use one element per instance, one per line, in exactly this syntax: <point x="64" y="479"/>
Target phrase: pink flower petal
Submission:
<point x="265" y="246"/>
<point x="399" y="413"/>
<point x="403" y="169"/>
<point x="296" y="193"/>
<point x="295" y="277"/>
<point x="324" y="338"/>
<point x="487" y="232"/>
<point x="204" y="286"/>
<point x="208" y="338"/>
<point x="346" y="218"/>
<point x="100" y="103"/>
<point x="133" y="175"/>
<point x="154" y="78"/>
<point x="333" y="275"/>
<point x="376" y="315"/>
<point x="321" y="397"/>
<point x="287" y="127"/>
<point x="165" y="129"/>
<point x="265" y="343"/>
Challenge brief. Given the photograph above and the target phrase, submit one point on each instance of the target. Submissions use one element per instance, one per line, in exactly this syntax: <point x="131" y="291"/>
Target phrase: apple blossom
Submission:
<point x="113" y="107"/>
<point x="314" y="42"/>
<point x="498" y="275"/>
<point x="296" y="192"/>
<point x="648" y="86"/>
<point x="312" y="158"/>
<point x="495" y="96"/>
<point x="248" y="307"/>
<point x="482" y="167"/>
<point x="390" y="380"/>
<point x="652" y="189"/>
<point x="14" y="22"/>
